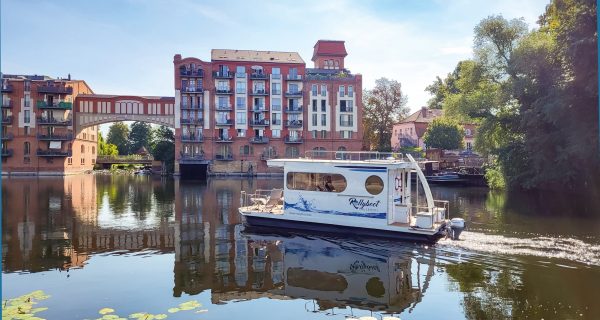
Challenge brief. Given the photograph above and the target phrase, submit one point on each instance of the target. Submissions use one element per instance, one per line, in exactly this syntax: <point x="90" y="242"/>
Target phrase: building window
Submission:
<point x="350" y="91"/>
<point x="82" y="160"/>
<point x="469" y="146"/>
<point x="323" y="90"/>
<point x="70" y="161"/>
<point x="26" y="148"/>
<point x="276" y="73"/>
<point x="240" y="87"/>
<point x="316" y="181"/>
<point x="26" y="130"/>
<point x="27" y="116"/>
<point x="223" y="85"/>
<point x="314" y="90"/>
<point x="337" y="64"/>
<point x="346" y="134"/>
<point x="319" y="152"/>
<point x="276" y="88"/>
<point x="467" y="132"/>
<point x="241" y="132"/>
<point x="276" y="104"/>
<point x="93" y="150"/>
<point x="240" y="70"/>
<point x="323" y="119"/>
<point x="240" y="118"/>
<point x="293" y="87"/>
<point x="240" y="103"/>
<point x="276" y="133"/>
<point x="292" y="152"/>
<point x="93" y="161"/>
<point x="342" y="91"/>
<point x="82" y="149"/>
<point x="346" y="120"/>
<point x="314" y="119"/>
<point x="246" y="150"/>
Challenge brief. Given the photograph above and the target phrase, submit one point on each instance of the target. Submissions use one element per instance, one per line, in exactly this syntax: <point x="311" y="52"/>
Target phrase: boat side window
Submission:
<point x="374" y="185"/>
<point x="313" y="181"/>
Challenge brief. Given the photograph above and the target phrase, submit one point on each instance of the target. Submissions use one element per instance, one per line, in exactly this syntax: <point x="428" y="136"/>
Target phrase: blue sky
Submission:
<point x="127" y="46"/>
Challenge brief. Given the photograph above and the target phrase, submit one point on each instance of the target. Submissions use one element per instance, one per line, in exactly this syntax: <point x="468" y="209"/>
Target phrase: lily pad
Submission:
<point x="173" y="310"/>
<point x="106" y="311"/>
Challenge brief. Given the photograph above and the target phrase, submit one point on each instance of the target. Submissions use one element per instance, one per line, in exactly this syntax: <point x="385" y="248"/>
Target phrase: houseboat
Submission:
<point x="359" y="193"/>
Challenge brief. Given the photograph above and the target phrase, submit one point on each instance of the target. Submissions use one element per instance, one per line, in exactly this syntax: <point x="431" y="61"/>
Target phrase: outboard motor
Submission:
<point x="457" y="225"/>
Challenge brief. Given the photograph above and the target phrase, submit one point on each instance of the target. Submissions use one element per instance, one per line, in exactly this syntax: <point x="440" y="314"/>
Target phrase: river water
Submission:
<point x="138" y="244"/>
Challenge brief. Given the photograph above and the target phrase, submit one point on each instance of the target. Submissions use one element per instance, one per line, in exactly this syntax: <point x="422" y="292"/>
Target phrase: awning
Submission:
<point x="55" y="145"/>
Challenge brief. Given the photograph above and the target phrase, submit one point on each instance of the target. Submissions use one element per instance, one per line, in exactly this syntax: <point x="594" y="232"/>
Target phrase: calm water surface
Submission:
<point x="142" y="244"/>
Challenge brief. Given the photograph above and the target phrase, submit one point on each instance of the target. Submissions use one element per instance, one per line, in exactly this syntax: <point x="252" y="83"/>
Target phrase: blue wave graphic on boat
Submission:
<point x="304" y="205"/>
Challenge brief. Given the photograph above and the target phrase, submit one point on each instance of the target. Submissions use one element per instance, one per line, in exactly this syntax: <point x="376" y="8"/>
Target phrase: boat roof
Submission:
<point x="392" y="163"/>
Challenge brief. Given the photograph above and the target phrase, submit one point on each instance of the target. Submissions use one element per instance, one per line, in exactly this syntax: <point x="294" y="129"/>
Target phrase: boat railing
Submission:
<point x="251" y="198"/>
<point x="354" y="155"/>
<point x="438" y="204"/>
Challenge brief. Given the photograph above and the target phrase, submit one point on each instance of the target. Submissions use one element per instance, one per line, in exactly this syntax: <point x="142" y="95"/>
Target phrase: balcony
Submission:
<point x="259" y="123"/>
<point x="55" y="137"/>
<point x="289" y="139"/>
<point x="259" y="139"/>
<point x="259" y="92"/>
<point x="223" y="139"/>
<point x="54" y="122"/>
<point x="7" y="152"/>
<point x="54" y="153"/>
<point x="59" y="106"/>
<point x="192" y="73"/>
<point x="192" y="107"/>
<point x="7" y="119"/>
<point x="292" y="94"/>
<point x="8" y="136"/>
<point x="260" y="108"/>
<point x="224" y="157"/>
<point x="196" y="89"/>
<point x="55" y="89"/>
<point x="221" y="122"/>
<point x="294" y="77"/>
<point x="296" y="109"/>
<point x="7" y="104"/>
<point x="7" y="88"/>
<point x="192" y="121"/>
<point x="192" y="138"/>
<point x="223" y="75"/>
<point x="227" y="107"/>
<point x="224" y="91"/>
<point x="258" y="76"/>
<point x="192" y="158"/>
<point x="293" y="123"/>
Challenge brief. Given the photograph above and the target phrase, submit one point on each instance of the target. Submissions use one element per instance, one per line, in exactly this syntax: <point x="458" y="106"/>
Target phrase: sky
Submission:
<point x="127" y="46"/>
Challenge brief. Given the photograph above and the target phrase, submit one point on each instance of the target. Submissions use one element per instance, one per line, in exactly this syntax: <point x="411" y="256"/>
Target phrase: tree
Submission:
<point x="384" y="105"/>
<point x="444" y="133"/>
<point x="118" y="134"/>
<point x="106" y="149"/>
<point x="140" y="136"/>
<point x="164" y="147"/>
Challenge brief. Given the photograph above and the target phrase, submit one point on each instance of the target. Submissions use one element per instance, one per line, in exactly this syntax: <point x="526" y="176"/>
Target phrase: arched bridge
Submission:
<point x="96" y="109"/>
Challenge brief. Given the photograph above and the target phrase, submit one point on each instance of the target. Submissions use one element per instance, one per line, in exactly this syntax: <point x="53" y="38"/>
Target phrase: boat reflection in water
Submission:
<point x="340" y="273"/>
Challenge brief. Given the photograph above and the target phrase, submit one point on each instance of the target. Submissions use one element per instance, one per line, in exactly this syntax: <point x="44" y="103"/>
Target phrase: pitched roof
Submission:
<point x="329" y="48"/>
<point x="255" y="56"/>
<point x="418" y="115"/>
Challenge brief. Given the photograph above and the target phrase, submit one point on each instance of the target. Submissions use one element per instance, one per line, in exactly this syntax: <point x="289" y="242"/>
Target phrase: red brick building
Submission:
<point x="38" y="135"/>
<point x="244" y="107"/>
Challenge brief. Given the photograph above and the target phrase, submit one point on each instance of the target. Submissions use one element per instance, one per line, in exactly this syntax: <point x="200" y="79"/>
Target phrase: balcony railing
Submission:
<point x="192" y="121"/>
<point x="192" y="107"/>
<point x="294" y="77"/>
<point x="7" y="152"/>
<point x="293" y="123"/>
<point x="55" y="89"/>
<point x="259" y="92"/>
<point x="7" y="88"/>
<point x="227" y="107"/>
<point x="223" y="139"/>
<point x="7" y="119"/>
<point x="192" y="138"/>
<point x="63" y="105"/>
<point x="262" y="122"/>
<point x="192" y="73"/>
<point x="293" y="93"/>
<point x="260" y="108"/>
<point x="289" y="139"/>
<point x="54" y="122"/>
<point x="224" y="91"/>
<point x="56" y="137"/>
<point x="224" y="157"/>
<point x="257" y="75"/>
<point x="224" y="122"/>
<point x="191" y="158"/>
<point x="54" y="153"/>
<point x="223" y="75"/>
<point x="7" y="104"/>
<point x="259" y="139"/>
<point x="296" y="109"/>
<point x="196" y="89"/>
<point x="8" y="136"/>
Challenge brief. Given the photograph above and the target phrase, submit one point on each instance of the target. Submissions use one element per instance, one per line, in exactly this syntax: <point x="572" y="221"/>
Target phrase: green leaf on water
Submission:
<point x="173" y="310"/>
<point x="110" y="316"/>
<point x="190" y="305"/>
<point x="138" y="315"/>
<point x="160" y="316"/>
<point x="106" y="311"/>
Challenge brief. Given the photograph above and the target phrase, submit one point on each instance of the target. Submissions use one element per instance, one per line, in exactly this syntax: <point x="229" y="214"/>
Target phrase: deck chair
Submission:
<point x="274" y="199"/>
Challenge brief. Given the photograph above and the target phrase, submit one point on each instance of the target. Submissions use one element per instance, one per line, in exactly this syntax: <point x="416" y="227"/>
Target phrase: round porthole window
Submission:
<point x="374" y="185"/>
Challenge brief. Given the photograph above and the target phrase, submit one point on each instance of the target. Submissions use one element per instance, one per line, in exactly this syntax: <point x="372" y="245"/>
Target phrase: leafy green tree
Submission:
<point x="118" y="134"/>
<point x="106" y="149"/>
<point x="164" y="147"/>
<point x="384" y="105"/>
<point x="444" y="133"/>
<point x="140" y="136"/>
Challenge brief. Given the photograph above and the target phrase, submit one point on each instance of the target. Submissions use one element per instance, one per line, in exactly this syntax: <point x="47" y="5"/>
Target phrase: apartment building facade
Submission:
<point x="244" y="107"/>
<point x="38" y="135"/>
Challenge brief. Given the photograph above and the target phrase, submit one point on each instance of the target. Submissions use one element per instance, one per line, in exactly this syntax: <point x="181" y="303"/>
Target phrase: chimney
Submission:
<point x="69" y="77"/>
<point x="424" y="112"/>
